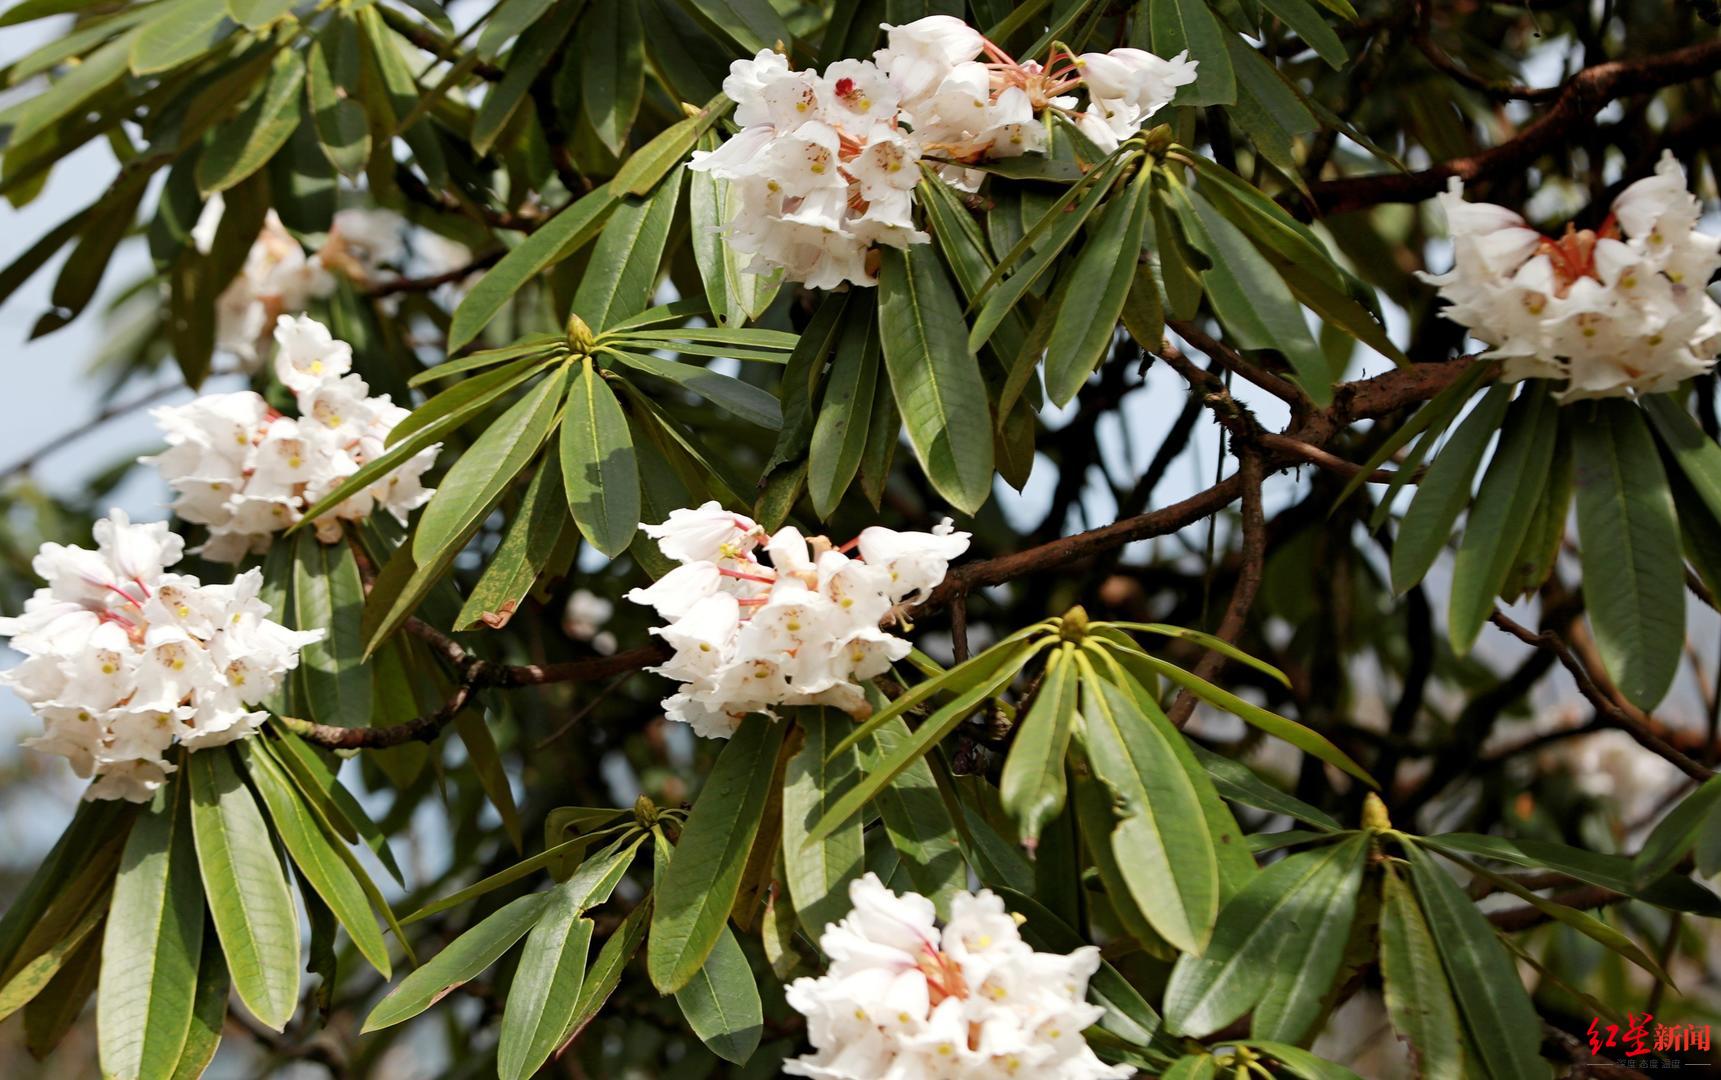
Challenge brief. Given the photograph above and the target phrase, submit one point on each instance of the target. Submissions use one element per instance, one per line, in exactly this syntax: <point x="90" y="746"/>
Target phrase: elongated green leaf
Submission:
<point x="249" y="901"/>
<point x="1303" y="738"/>
<point x="1237" y="782"/>
<point x="839" y="435"/>
<point x="1091" y="293"/>
<point x="1251" y="299"/>
<point x="332" y="81"/>
<point x="721" y="1002"/>
<point x="547" y="345"/>
<point x="464" y="958"/>
<point x="622" y="274"/>
<point x="177" y="32"/>
<point x="1674" y="835"/>
<point x="81" y="862"/>
<point x="473" y="484"/>
<point x="1311" y="955"/>
<point x="1418" y="998"/>
<point x="1032" y="785"/>
<point x="549" y="244"/>
<point x="818" y="874"/>
<point x="1501" y="514"/>
<point x="1497" y="1012"/>
<point x="1675" y="892"/>
<point x="546" y="988"/>
<point x="257" y="14"/>
<point x="328" y="593"/>
<point x="935" y="376"/>
<point x="1431" y="419"/>
<point x="649" y="164"/>
<point x="523" y="554"/>
<point x="1445" y="490"/>
<point x="208" y="1012"/>
<point x="605" y="973"/>
<point x="918" y="827"/>
<point x="152" y="943"/>
<point x="314" y="853"/>
<point x="1188" y="24"/>
<point x="1697" y="455"/>
<point x="1281" y="907"/>
<point x="531" y="53"/>
<point x="751" y="24"/>
<point x="612" y="69"/>
<point x="1307" y="24"/>
<point x="1168" y="862"/>
<point x="317" y="781"/>
<point x="732" y="395"/>
<point x="34" y="977"/>
<point x="697" y="893"/>
<point x="246" y="145"/>
<point x="599" y="471"/>
<point x="734" y="295"/>
<point x="1628" y="531"/>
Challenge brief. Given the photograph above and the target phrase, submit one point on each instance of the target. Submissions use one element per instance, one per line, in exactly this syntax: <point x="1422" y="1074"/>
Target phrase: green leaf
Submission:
<point x="328" y="593"/>
<point x="1418" y="998"/>
<point x="463" y="959"/>
<point x="641" y="172"/>
<point x="1313" y="952"/>
<point x="721" y="1001"/>
<point x="1445" y="490"/>
<point x="622" y="275"/>
<point x="612" y="70"/>
<point x="698" y="891"/>
<point x="1032" y="786"/>
<point x="818" y="874"/>
<point x="80" y="865"/>
<point x="1262" y="938"/>
<point x="1308" y="24"/>
<point x="751" y="24"/>
<point x="258" y="14"/>
<point x="1433" y="419"/>
<point x="547" y="245"/>
<point x="599" y="471"/>
<point x="1178" y="270"/>
<point x="544" y="345"/>
<point x="332" y="81"/>
<point x="1300" y="1063"/>
<point x="314" y="853"/>
<point x="1250" y="298"/>
<point x="1303" y="738"/>
<point x="238" y="149"/>
<point x="917" y="821"/>
<point x="524" y="552"/>
<point x="177" y="32"/>
<point x="1628" y="531"/>
<point x="606" y="971"/>
<point x="208" y="1012"/>
<point x="1091" y="293"/>
<point x="1269" y="108"/>
<point x="32" y="978"/>
<point x="995" y="676"/>
<point x="741" y="399"/>
<point x="734" y="294"/>
<point x="934" y="376"/>
<point x="52" y="1013"/>
<point x="1498" y="1015"/>
<point x="545" y="990"/>
<point x="1239" y="783"/>
<point x="1167" y="860"/>
<point x="1188" y="24"/>
<point x="1674" y="835"/>
<point x="840" y="434"/>
<point x="249" y="901"/>
<point x="477" y="479"/>
<point x="151" y="945"/>
<point x="532" y="51"/>
<point x="317" y="780"/>
<point x="1697" y="455"/>
<point x="1501" y="514"/>
<point x="1676" y="892"/>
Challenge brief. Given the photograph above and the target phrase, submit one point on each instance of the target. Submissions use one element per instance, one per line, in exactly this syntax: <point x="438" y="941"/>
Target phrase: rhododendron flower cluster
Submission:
<point x="280" y="278"/>
<point x="802" y="630"/>
<point x="246" y="472"/>
<point x="1614" y="311"/>
<point x="825" y="165"/>
<point x="122" y="659"/>
<point x="903" y="998"/>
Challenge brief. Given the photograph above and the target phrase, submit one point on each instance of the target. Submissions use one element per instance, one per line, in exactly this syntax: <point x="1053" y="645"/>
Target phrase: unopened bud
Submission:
<point x="1074" y="625"/>
<point x="580" y="337"/>
<point x="1374" y="816"/>
<point x="645" y="812"/>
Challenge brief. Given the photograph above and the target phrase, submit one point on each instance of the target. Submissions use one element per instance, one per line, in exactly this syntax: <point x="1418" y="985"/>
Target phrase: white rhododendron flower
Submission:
<point x="904" y="998"/>
<point x="824" y="166"/>
<point x="123" y="659"/>
<point x="1615" y="311"/>
<point x="278" y="278"/>
<point x="247" y="472"/>
<point x="802" y="629"/>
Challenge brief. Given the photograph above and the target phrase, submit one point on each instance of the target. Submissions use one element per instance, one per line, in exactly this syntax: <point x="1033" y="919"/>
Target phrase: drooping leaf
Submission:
<point x="721" y="1002"/>
<point x="599" y="470"/>
<point x="1445" y="490"/>
<point x="464" y="958"/>
<point x="818" y="874"/>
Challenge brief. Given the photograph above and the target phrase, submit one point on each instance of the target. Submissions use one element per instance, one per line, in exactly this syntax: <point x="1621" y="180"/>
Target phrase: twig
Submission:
<point x="433" y="281"/>
<point x="1604" y="705"/>
<point x="1584" y="95"/>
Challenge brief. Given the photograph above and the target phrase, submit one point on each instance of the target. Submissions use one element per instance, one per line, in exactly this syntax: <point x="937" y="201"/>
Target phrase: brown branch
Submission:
<point x="1499" y="91"/>
<point x="1514" y="919"/>
<point x="1361" y="400"/>
<point x="1584" y="95"/>
<point x="1605" y="707"/>
<point x="433" y="281"/>
<point x="1314" y="455"/>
